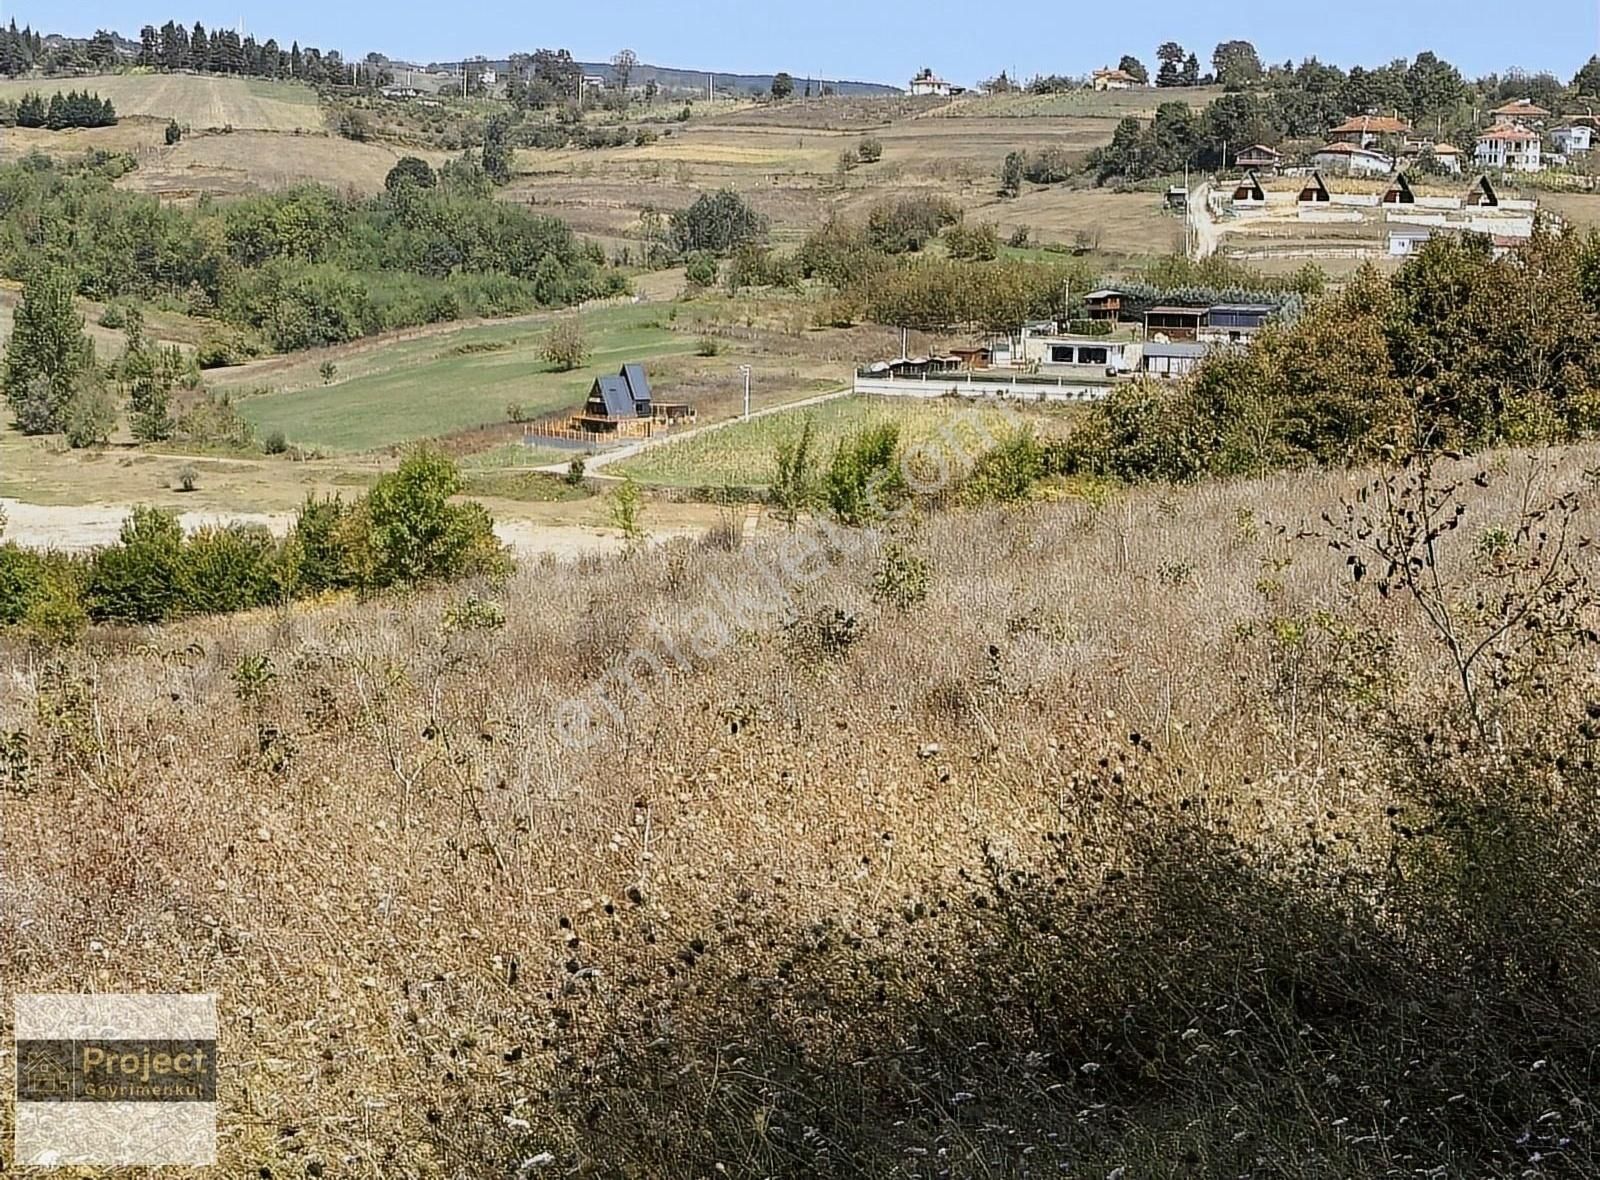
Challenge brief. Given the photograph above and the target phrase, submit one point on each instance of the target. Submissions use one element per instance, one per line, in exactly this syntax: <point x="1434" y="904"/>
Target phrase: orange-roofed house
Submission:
<point x="1109" y="79"/>
<point x="1509" y="147"/>
<point x="1523" y="110"/>
<point x="1447" y="157"/>
<point x="1366" y="130"/>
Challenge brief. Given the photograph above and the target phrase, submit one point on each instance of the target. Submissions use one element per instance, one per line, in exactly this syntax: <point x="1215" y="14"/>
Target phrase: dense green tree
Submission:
<point x="48" y="348"/>
<point x="1134" y="68"/>
<point x="410" y="172"/>
<point x="718" y="222"/>
<point x="1236" y="64"/>
<point x="782" y="86"/>
<point x="497" y="149"/>
<point x="1586" y="82"/>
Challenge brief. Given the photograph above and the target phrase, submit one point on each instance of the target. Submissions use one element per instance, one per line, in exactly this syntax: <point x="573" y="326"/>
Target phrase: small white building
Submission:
<point x="1110" y="79"/>
<point x="1171" y="361"/>
<point x="927" y="83"/>
<point x="1447" y="157"/>
<point x="488" y="77"/>
<point x="1347" y="159"/>
<point x="1510" y="148"/>
<point x="1406" y="240"/>
<point x="1051" y="350"/>
<point x="1575" y="140"/>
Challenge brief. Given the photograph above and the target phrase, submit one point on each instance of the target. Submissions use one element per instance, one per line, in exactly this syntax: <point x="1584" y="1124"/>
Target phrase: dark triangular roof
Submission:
<point x="615" y="395"/>
<point x="638" y="383"/>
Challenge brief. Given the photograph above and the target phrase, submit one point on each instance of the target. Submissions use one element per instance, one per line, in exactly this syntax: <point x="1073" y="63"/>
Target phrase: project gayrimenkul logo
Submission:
<point x="116" y="1079"/>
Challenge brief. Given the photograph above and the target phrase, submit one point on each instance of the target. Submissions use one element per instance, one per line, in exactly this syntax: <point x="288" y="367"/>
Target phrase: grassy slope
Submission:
<point x="419" y="389"/>
<point x="194" y="100"/>
<point x="742" y="455"/>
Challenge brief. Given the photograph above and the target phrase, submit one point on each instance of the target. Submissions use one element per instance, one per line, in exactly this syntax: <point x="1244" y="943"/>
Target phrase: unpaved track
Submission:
<point x="594" y="464"/>
<point x="80" y="528"/>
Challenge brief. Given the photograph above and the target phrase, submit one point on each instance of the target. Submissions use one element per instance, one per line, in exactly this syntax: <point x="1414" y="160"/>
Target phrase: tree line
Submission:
<point x="289" y="270"/>
<point x="1459" y="349"/>
<point x="72" y="109"/>
<point x="404" y="531"/>
<point x="174" y="46"/>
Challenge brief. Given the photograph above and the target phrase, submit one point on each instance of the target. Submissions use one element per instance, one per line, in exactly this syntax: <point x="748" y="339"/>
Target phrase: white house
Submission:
<point x="1509" y="148"/>
<point x="1406" y="240"/>
<point x="1350" y="160"/>
<point x="1109" y="79"/>
<point x="487" y="77"/>
<point x="1044" y="346"/>
<point x="1574" y="140"/>
<point x="1448" y="157"/>
<point x="1523" y="110"/>
<point x="928" y="83"/>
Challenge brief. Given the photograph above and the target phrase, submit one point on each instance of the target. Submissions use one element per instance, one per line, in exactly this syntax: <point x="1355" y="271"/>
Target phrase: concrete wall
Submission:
<point x="961" y="385"/>
<point x="1323" y="215"/>
<point x="1397" y="218"/>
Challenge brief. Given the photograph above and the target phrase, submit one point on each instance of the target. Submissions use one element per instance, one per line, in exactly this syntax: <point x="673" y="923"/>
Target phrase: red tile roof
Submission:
<point x="1508" y="134"/>
<point x="1372" y="125"/>
<point x="1523" y="107"/>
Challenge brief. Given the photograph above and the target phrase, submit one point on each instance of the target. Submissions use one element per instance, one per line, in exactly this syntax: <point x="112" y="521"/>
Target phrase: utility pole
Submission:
<point x="745" y="369"/>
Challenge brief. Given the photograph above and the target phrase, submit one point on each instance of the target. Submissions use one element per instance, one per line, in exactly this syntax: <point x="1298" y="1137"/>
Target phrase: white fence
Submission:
<point x="1063" y="389"/>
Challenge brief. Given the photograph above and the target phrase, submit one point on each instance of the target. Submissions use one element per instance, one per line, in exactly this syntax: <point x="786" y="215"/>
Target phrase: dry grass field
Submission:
<point x="194" y="100"/>
<point x="1116" y="854"/>
<point x="784" y="159"/>
<point x="250" y="161"/>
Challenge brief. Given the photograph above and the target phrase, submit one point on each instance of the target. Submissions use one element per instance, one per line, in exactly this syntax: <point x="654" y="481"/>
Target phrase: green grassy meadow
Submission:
<point x="945" y="430"/>
<point x="424" y="388"/>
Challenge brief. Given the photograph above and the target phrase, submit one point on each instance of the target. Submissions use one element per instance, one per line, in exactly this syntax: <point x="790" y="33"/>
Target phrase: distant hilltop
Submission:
<point x="671" y="80"/>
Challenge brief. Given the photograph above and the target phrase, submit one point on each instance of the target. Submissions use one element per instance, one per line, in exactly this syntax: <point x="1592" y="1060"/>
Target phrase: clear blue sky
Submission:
<point x="887" y="40"/>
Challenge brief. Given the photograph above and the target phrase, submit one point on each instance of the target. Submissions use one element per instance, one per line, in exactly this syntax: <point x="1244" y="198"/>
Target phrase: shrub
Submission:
<point x="327" y="370"/>
<point x="1011" y="174"/>
<point x="566" y="347"/>
<point x="901" y="580"/>
<point x="228" y="569"/>
<point x="905" y="225"/>
<point x="972" y="243"/>
<point x="863" y="482"/>
<point x="1006" y="473"/>
<point x="22" y="582"/>
<point x="410" y="172"/>
<point x="627" y="513"/>
<point x="417" y="535"/>
<point x="188" y="479"/>
<point x="136" y="581"/>
<point x="174" y="133"/>
<point x="870" y="150"/>
<point x="701" y="269"/>
<point x="575" y="469"/>
<point x="1051" y="166"/>
<point x="517" y="412"/>
<point x="707" y="346"/>
<point x="315" y="555"/>
<point x="275" y="443"/>
<point x="90" y="414"/>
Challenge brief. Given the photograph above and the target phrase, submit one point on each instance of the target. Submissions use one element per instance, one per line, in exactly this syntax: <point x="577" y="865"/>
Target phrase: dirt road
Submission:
<point x="80" y="528"/>
<point x="594" y="465"/>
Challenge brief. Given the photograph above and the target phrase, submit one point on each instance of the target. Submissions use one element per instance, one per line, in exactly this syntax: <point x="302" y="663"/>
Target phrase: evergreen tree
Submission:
<point x="199" y="48"/>
<point x="48" y="350"/>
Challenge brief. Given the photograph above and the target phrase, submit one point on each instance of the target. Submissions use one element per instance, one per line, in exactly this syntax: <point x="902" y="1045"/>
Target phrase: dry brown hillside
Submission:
<point x="1121" y="851"/>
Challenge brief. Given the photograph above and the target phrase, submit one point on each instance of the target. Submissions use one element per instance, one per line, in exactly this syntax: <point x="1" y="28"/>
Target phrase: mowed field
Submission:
<point x="939" y="433"/>
<point x="461" y="384"/>
<point x="194" y="100"/>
